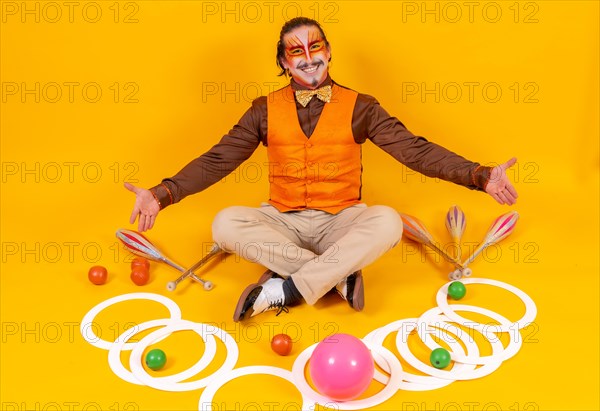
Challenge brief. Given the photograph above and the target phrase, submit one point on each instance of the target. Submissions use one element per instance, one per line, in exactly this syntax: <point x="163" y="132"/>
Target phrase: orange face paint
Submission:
<point x="306" y="56"/>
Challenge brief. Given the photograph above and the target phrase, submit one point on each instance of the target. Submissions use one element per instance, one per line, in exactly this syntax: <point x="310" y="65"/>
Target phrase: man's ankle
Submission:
<point x="292" y="295"/>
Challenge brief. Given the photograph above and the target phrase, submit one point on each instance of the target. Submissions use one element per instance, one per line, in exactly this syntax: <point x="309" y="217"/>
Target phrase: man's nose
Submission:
<point x="308" y="56"/>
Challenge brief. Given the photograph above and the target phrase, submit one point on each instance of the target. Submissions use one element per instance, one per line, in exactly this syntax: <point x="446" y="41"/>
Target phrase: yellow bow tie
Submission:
<point x="304" y="96"/>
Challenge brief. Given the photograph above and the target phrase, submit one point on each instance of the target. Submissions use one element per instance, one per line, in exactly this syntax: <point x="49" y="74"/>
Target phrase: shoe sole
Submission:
<point x="358" y="294"/>
<point x="267" y="275"/>
<point x="237" y="314"/>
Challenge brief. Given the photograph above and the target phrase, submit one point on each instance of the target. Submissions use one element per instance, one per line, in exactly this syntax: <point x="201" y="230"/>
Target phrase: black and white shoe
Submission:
<point x="352" y="290"/>
<point x="260" y="297"/>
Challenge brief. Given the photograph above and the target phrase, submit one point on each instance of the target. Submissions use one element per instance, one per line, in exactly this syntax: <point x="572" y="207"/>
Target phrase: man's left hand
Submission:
<point x="499" y="186"/>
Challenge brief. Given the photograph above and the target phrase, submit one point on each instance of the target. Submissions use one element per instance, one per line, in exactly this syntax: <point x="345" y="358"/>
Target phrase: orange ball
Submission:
<point x="140" y="262"/>
<point x="140" y="276"/>
<point x="98" y="275"/>
<point x="282" y="344"/>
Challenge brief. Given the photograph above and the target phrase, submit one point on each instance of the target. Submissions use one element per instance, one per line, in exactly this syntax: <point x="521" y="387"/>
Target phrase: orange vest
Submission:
<point x="323" y="172"/>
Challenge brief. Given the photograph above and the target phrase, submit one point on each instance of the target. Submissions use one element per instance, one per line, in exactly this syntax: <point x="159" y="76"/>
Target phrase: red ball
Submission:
<point x="140" y="276"/>
<point x="282" y="344"/>
<point x="98" y="275"/>
<point x="140" y="262"/>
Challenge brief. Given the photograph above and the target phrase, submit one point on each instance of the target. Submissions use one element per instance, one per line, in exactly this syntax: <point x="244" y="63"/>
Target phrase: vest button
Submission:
<point x="308" y="181"/>
<point x="308" y="145"/>
<point x="308" y="199"/>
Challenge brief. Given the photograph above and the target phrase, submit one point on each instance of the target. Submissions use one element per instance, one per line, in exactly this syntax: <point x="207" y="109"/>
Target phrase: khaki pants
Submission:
<point x="315" y="248"/>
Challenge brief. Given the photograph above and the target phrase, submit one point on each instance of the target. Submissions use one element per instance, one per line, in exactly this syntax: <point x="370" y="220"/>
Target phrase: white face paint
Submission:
<point x="306" y="56"/>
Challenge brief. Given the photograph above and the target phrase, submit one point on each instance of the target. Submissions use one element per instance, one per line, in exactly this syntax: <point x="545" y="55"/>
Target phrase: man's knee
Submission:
<point x="227" y="223"/>
<point x="389" y="223"/>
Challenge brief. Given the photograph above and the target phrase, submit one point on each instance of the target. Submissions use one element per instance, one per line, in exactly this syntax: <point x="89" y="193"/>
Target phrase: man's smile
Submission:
<point x="310" y="68"/>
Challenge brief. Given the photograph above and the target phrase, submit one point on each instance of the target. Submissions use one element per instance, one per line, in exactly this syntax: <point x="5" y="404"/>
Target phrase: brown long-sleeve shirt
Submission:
<point x="369" y="122"/>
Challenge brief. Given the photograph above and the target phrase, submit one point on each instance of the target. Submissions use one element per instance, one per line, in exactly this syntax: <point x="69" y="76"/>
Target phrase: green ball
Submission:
<point x="457" y="290"/>
<point x="156" y="359"/>
<point x="440" y="358"/>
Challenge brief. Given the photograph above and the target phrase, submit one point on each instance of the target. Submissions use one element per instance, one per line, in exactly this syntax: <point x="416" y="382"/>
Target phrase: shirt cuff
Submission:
<point x="162" y="195"/>
<point x="481" y="176"/>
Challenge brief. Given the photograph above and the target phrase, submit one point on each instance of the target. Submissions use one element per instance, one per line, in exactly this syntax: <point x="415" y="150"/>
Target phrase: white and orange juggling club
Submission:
<point x="415" y="230"/>
<point x="502" y="227"/>
<point x="455" y="223"/>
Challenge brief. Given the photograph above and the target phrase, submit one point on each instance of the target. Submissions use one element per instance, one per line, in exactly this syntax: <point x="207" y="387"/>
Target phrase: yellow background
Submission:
<point x="176" y="75"/>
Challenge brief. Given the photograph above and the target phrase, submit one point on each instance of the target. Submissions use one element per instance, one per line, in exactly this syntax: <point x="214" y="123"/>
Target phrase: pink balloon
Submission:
<point x="341" y="367"/>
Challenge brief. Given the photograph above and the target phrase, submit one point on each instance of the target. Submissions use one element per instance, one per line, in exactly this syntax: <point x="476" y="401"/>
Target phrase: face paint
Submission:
<point x="306" y="56"/>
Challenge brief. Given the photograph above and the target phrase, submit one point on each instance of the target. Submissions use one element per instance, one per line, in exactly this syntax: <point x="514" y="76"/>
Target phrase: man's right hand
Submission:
<point x="146" y="207"/>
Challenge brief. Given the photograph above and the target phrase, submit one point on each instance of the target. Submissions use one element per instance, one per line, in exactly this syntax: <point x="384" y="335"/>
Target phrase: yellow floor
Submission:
<point x="64" y="164"/>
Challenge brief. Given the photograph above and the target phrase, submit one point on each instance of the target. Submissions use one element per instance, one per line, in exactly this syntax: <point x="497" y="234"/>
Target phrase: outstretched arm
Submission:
<point x="499" y="186"/>
<point x="415" y="152"/>
<point x="427" y="157"/>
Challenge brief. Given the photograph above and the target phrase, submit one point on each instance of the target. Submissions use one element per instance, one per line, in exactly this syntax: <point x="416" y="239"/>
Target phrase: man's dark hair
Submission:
<point x="288" y="27"/>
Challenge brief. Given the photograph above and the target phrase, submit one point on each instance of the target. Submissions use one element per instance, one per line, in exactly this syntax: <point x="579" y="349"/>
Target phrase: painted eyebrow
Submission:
<point x="314" y="36"/>
<point x="294" y="42"/>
